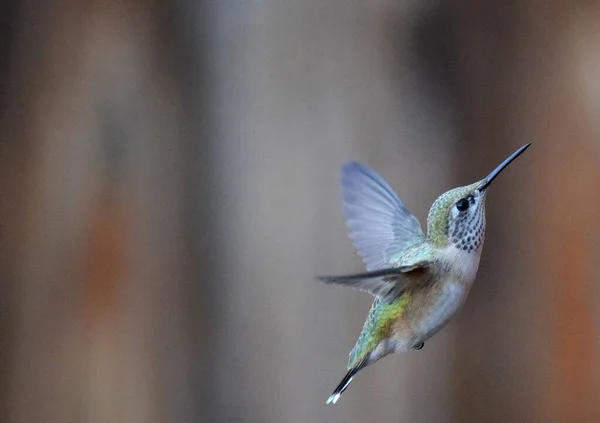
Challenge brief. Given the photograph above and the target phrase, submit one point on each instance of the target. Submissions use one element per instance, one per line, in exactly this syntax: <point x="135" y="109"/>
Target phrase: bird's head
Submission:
<point x="457" y="217"/>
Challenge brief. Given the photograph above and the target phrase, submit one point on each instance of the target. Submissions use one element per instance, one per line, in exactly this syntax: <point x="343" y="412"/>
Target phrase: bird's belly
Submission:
<point x="441" y="308"/>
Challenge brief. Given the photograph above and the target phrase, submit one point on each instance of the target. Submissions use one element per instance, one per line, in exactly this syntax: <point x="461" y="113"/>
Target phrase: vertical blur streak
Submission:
<point x="186" y="41"/>
<point x="12" y="188"/>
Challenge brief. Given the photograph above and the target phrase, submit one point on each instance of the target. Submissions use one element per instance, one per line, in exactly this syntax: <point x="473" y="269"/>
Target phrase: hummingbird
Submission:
<point x="419" y="281"/>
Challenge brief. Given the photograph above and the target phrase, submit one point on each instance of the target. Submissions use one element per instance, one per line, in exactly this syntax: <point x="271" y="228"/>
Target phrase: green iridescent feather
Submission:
<point x="378" y="326"/>
<point x="419" y="254"/>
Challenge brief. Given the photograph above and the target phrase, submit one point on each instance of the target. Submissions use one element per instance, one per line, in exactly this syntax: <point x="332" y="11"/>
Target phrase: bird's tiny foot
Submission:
<point x="419" y="346"/>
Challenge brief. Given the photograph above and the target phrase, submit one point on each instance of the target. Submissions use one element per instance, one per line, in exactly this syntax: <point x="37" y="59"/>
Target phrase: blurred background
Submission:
<point x="169" y="186"/>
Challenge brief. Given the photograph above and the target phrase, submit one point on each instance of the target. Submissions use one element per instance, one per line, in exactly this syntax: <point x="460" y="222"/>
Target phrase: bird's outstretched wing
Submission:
<point x="379" y="223"/>
<point x="380" y="283"/>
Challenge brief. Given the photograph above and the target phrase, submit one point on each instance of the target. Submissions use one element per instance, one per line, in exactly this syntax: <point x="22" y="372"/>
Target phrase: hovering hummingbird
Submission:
<point x="419" y="281"/>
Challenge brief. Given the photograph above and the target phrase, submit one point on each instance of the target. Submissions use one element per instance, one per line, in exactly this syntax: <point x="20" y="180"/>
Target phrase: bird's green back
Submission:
<point x="378" y="326"/>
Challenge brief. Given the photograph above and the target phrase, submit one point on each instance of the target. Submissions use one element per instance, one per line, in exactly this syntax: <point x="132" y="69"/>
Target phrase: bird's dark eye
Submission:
<point x="462" y="205"/>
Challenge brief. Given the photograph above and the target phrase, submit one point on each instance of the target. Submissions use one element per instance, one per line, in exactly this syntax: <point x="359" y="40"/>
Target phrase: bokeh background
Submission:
<point x="169" y="178"/>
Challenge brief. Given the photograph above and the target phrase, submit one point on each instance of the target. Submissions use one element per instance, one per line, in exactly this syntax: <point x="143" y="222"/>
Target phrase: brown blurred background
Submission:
<point x="169" y="187"/>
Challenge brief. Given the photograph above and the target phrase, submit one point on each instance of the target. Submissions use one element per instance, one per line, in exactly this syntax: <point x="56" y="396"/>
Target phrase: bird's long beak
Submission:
<point x="488" y="180"/>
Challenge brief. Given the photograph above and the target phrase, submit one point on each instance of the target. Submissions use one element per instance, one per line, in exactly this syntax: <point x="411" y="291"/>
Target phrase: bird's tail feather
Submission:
<point x="343" y="385"/>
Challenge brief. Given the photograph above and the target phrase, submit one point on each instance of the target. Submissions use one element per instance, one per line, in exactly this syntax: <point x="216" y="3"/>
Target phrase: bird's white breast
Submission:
<point x="455" y="288"/>
<point x="461" y="264"/>
<point x="447" y="304"/>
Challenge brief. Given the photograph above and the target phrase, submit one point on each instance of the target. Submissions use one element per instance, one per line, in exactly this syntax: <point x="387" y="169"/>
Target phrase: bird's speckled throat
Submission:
<point x="467" y="231"/>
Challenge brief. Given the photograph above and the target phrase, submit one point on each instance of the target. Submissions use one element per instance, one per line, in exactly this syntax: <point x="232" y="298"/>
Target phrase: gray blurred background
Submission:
<point x="169" y="178"/>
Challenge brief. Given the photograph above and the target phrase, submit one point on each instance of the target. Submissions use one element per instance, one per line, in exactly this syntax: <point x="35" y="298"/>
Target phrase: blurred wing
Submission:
<point x="380" y="283"/>
<point x="380" y="226"/>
